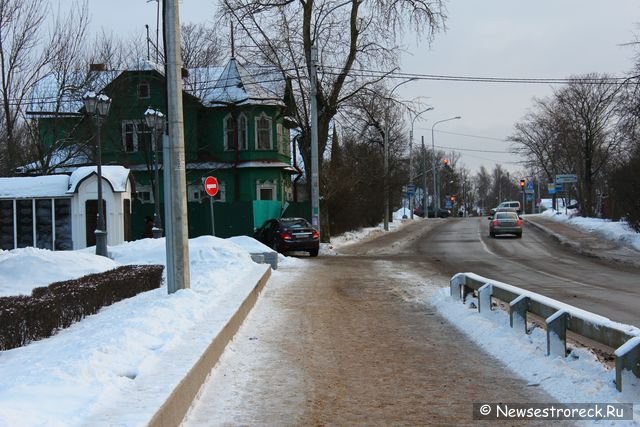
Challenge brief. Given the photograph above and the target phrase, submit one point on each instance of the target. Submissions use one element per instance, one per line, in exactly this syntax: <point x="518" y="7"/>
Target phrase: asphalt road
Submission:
<point x="537" y="263"/>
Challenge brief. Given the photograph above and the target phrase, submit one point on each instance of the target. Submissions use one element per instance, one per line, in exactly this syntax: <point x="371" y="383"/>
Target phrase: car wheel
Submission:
<point x="519" y="235"/>
<point x="492" y="234"/>
<point x="274" y="246"/>
<point x="313" y="252"/>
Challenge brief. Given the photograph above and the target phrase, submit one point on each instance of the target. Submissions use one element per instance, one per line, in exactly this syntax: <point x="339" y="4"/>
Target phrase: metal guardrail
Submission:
<point x="559" y="318"/>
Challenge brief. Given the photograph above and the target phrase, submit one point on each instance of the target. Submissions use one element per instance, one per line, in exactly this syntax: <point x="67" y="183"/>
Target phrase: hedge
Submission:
<point x="24" y="319"/>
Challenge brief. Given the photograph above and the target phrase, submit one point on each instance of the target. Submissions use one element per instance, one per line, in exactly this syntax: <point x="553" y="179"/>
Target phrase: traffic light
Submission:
<point x="446" y="162"/>
<point x="453" y="199"/>
<point x="522" y="184"/>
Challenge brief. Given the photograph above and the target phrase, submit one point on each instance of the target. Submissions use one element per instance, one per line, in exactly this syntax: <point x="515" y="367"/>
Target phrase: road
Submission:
<point x="352" y="340"/>
<point x="537" y="263"/>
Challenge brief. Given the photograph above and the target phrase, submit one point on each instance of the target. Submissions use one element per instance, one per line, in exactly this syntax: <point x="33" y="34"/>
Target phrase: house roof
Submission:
<point x="36" y="186"/>
<point x="238" y="86"/>
<point x="213" y="86"/>
<point x="116" y="176"/>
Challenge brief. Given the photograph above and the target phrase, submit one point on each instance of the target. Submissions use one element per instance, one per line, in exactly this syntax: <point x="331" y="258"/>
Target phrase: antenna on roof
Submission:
<point x="233" y="47"/>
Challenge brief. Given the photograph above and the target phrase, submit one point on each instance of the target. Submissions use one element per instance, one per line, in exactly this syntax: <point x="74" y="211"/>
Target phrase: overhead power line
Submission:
<point x="479" y="79"/>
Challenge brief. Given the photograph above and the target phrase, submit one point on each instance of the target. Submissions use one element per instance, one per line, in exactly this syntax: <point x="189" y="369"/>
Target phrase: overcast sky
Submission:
<point x="491" y="38"/>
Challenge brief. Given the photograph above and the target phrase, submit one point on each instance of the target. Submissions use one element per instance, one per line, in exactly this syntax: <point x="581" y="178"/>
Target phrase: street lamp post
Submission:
<point x="386" y="154"/>
<point x="411" y="156"/>
<point x="155" y="121"/>
<point x="436" y="196"/>
<point x="98" y="107"/>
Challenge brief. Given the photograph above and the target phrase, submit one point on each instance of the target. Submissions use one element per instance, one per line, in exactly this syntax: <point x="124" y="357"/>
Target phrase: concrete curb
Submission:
<point x="173" y="410"/>
<point x="561" y="239"/>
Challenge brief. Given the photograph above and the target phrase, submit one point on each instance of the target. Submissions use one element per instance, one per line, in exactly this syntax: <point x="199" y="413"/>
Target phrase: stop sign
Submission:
<point x="211" y="186"/>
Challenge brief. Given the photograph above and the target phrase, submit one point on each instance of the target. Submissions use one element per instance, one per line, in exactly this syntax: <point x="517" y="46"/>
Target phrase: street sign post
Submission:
<point x="566" y="178"/>
<point x="211" y="188"/>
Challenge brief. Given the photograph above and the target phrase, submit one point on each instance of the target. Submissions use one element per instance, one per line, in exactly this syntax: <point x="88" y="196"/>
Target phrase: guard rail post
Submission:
<point x="518" y="313"/>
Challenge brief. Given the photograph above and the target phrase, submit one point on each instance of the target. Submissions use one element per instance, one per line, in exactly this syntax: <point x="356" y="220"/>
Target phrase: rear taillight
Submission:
<point x="316" y="235"/>
<point x="286" y="236"/>
<point x="495" y="222"/>
<point x="519" y="223"/>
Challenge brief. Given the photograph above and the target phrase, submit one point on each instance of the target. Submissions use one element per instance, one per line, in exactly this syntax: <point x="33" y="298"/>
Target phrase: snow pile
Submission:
<point x="129" y="355"/>
<point x="618" y="231"/>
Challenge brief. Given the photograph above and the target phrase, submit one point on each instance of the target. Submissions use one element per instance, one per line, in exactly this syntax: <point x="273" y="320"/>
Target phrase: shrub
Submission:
<point x="28" y="318"/>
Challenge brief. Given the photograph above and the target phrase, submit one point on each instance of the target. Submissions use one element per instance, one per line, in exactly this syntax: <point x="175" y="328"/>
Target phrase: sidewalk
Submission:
<point x="587" y="243"/>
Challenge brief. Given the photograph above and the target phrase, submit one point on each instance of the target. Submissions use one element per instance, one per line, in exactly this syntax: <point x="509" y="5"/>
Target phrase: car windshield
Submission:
<point x="506" y="215"/>
<point x="295" y="223"/>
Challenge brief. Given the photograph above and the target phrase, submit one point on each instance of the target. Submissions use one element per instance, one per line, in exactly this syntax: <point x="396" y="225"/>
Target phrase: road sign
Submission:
<point x="559" y="187"/>
<point x="211" y="186"/>
<point x="566" y="178"/>
<point x="411" y="188"/>
<point x="551" y="188"/>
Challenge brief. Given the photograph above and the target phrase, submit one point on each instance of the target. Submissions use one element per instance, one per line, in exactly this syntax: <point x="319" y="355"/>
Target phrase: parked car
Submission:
<point x="441" y="213"/>
<point x="505" y="222"/>
<point x="289" y="234"/>
<point x="508" y="204"/>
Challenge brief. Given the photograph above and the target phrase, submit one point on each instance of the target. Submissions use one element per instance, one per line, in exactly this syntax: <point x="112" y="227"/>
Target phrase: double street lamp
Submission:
<point x="436" y="200"/>
<point x="411" y="157"/>
<point x="98" y="106"/>
<point x="155" y="121"/>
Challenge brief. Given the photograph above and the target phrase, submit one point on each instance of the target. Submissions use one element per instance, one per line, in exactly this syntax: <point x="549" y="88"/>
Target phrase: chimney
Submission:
<point x="97" y="67"/>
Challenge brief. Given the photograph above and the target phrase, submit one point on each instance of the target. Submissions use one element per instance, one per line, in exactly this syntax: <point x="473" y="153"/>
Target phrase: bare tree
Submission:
<point x="22" y="62"/>
<point x="68" y="74"/>
<point x="353" y="39"/>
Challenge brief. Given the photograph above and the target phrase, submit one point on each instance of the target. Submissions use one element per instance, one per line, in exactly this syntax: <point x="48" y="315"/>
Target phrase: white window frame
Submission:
<point x="263" y="116"/>
<point x="144" y="189"/>
<point x="267" y="185"/>
<point x="225" y="127"/>
<point x="196" y="193"/>
<point x="139" y="128"/>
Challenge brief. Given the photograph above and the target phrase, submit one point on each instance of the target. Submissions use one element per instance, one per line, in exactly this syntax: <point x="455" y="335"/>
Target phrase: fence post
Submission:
<point x="518" y="313"/>
<point x="455" y="284"/>
<point x="557" y="333"/>
<point x="484" y="298"/>
<point x="627" y="360"/>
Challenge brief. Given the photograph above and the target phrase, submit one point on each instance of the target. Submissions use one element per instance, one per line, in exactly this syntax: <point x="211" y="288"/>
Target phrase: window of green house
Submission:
<point x="144" y="91"/>
<point x="136" y="136"/>
<point x="266" y="190"/>
<point x="235" y="132"/>
<point x="263" y="133"/>
<point x="144" y="193"/>
<point x="242" y="132"/>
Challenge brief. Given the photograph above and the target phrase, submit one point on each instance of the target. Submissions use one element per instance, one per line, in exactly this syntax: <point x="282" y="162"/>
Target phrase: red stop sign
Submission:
<point x="211" y="186"/>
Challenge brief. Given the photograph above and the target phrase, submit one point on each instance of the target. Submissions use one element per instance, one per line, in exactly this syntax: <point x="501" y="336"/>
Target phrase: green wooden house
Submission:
<point x="235" y="129"/>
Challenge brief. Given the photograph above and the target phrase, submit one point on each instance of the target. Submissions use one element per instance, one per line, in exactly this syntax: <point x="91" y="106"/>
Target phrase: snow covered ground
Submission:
<point x="613" y="230"/>
<point x="116" y="367"/>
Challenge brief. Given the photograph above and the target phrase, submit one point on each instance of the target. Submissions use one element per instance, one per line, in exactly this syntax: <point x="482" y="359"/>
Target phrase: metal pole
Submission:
<point x="411" y="170"/>
<point x="424" y="180"/>
<point x="100" y="232"/>
<point x="157" y="221"/>
<point x="213" y="223"/>
<point x="386" y="168"/>
<point x="411" y="199"/>
<point x="315" y="176"/>
<point x="434" y="197"/>
<point x="436" y="193"/>
<point x="178" y="243"/>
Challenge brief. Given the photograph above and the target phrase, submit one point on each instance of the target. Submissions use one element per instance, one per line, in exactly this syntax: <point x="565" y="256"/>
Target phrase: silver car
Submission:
<point x="505" y="223"/>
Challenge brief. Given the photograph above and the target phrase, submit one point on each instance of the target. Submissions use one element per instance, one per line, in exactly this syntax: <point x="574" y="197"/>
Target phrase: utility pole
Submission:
<point x="315" y="175"/>
<point x="177" y="238"/>
<point x="386" y="168"/>
<point x="424" y="181"/>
